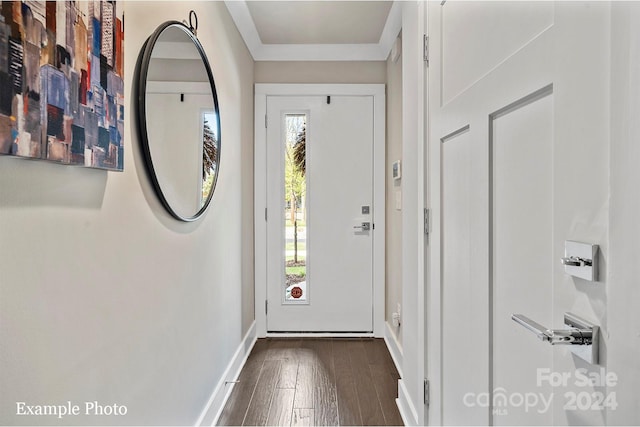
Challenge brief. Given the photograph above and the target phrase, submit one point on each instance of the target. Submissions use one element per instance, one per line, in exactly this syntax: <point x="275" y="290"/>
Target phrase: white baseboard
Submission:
<point x="319" y="334"/>
<point x="407" y="410"/>
<point x="395" y="349"/>
<point x="223" y="389"/>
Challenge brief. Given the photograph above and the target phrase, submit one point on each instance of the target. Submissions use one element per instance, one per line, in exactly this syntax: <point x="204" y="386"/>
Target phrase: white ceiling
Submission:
<point x="317" y="30"/>
<point x="315" y="22"/>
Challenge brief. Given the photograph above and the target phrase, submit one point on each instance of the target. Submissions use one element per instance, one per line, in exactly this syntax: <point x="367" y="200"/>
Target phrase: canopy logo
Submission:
<point x="500" y="400"/>
<point x="579" y="392"/>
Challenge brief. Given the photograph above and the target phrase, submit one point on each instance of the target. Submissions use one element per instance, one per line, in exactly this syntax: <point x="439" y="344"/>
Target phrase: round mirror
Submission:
<point x="179" y="120"/>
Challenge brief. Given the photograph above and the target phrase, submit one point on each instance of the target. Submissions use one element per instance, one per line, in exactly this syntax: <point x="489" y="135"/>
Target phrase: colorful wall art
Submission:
<point x="61" y="81"/>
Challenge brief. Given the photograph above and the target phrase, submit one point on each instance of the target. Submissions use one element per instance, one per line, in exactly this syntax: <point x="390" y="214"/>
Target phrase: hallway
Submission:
<point x="469" y="213"/>
<point x="339" y="381"/>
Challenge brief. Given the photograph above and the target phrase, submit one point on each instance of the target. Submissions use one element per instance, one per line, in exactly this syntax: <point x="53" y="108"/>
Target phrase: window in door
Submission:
<point x="295" y="218"/>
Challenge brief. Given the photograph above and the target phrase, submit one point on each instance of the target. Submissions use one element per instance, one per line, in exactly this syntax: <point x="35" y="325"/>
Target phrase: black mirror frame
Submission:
<point x="142" y="69"/>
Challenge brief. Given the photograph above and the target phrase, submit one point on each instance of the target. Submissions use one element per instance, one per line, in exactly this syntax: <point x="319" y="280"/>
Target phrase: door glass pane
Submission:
<point x="295" y="213"/>
<point x="209" y="152"/>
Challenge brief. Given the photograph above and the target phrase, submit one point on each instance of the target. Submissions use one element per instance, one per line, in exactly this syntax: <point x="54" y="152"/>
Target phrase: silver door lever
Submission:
<point x="582" y="336"/>
<point x="579" y="334"/>
<point x="366" y="226"/>
<point x="576" y="261"/>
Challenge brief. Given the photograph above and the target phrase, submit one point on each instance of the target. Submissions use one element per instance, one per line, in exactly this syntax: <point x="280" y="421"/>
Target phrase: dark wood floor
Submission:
<point x="328" y="382"/>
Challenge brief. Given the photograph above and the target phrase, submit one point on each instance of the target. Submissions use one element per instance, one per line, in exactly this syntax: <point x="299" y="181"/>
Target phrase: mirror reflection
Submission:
<point x="182" y="121"/>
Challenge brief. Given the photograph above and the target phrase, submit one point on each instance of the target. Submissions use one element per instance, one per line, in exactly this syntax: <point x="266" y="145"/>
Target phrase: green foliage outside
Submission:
<point x="300" y="270"/>
<point x="207" y="185"/>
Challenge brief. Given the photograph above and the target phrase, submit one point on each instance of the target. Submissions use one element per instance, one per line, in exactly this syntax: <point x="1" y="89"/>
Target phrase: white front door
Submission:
<point x="518" y="165"/>
<point x="320" y="222"/>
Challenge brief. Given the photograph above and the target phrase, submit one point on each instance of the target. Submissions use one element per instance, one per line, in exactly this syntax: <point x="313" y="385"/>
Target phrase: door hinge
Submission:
<point x="426" y="392"/>
<point x="265" y="214"/>
<point x="426" y="221"/>
<point x="266" y="307"/>
<point x="265" y="121"/>
<point x="425" y="49"/>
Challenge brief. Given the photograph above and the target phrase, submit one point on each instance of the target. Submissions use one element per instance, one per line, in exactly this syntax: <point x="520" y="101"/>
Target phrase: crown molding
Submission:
<point x="240" y="14"/>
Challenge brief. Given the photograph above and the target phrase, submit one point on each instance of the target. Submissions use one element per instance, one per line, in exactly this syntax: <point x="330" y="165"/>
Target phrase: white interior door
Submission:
<point x="330" y="288"/>
<point x="518" y="158"/>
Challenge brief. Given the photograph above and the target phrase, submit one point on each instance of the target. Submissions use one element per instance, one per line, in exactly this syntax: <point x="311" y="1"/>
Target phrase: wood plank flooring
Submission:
<point x="315" y="382"/>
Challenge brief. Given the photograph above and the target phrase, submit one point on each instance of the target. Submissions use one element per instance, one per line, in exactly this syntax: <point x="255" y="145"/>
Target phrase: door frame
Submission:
<point x="432" y="278"/>
<point x="262" y="91"/>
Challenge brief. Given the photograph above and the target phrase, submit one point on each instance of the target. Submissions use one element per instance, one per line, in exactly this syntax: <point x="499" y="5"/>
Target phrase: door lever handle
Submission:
<point x="576" y="261"/>
<point x="579" y="334"/>
<point x="366" y="226"/>
<point x="582" y="336"/>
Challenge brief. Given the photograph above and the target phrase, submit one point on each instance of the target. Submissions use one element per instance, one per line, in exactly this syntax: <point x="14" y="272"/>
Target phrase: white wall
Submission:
<point x="182" y="70"/>
<point x="103" y="296"/>
<point x="623" y="292"/>
<point x="393" y="217"/>
<point x="320" y="72"/>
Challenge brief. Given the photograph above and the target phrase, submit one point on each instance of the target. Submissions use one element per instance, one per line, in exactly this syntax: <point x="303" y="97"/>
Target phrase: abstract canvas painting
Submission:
<point x="61" y="81"/>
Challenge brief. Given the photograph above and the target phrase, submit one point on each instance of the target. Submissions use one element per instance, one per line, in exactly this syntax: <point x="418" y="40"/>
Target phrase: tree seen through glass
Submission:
<point x="209" y="155"/>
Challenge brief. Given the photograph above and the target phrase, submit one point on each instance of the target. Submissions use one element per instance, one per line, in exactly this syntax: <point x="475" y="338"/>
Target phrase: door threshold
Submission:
<point x="273" y="334"/>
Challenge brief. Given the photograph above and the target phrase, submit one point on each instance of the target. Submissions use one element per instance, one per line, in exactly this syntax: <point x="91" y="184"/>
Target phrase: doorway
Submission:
<point x="320" y="209"/>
